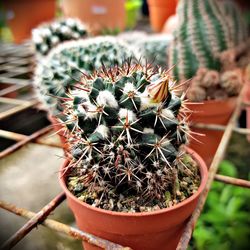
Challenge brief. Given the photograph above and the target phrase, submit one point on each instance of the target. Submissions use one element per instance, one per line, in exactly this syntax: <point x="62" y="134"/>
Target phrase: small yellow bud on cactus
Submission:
<point x="158" y="90"/>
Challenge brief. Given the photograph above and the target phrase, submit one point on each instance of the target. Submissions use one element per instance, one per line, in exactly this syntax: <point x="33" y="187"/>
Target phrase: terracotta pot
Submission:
<point x="24" y="15"/>
<point x="147" y="230"/>
<point x="210" y="112"/>
<point x="59" y="129"/>
<point x="160" y="11"/>
<point x="98" y="14"/>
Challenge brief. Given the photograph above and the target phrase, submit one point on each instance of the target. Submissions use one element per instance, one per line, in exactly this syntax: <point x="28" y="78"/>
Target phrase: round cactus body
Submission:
<point x="154" y="49"/>
<point x="127" y="128"/>
<point x="49" y="35"/>
<point x="63" y="65"/>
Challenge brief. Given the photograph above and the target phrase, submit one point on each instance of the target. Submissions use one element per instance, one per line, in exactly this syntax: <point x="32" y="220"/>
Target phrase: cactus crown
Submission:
<point x="127" y="126"/>
<point x="206" y="28"/>
<point x="61" y="68"/>
<point x="49" y="35"/>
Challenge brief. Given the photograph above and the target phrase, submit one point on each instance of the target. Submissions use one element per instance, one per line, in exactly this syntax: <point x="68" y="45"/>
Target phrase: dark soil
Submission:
<point x="185" y="182"/>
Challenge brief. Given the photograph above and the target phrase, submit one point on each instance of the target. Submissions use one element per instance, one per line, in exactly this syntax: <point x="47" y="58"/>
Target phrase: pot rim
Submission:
<point x="232" y="98"/>
<point x="203" y="172"/>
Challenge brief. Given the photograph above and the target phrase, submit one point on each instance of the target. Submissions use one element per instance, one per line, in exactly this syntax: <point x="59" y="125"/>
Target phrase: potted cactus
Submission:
<point x="203" y="49"/>
<point x="55" y="73"/>
<point x="48" y="35"/>
<point x="130" y="178"/>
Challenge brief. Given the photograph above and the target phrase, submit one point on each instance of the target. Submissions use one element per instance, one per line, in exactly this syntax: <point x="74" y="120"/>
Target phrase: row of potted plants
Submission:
<point x="99" y="15"/>
<point x="129" y="177"/>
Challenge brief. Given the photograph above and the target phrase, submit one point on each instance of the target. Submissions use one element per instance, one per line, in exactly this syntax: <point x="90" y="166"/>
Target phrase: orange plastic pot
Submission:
<point x="160" y="11"/>
<point x="210" y="112"/>
<point x="100" y="15"/>
<point x="147" y="230"/>
<point x="24" y="15"/>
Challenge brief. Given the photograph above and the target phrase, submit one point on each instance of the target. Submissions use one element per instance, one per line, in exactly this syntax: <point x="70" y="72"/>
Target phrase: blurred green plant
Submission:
<point x="225" y="221"/>
<point x="110" y="31"/>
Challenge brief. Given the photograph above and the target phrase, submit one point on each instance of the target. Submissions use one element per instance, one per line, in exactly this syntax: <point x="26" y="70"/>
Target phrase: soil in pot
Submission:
<point x="209" y="112"/>
<point x="156" y="229"/>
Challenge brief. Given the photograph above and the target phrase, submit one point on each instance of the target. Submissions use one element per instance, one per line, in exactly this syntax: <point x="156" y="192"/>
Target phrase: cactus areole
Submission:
<point x="127" y="128"/>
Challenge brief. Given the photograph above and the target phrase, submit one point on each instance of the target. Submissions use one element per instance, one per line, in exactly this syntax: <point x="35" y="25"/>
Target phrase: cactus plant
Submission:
<point x="58" y="71"/>
<point x="48" y="35"/>
<point x="154" y="49"/>
<point x="210" y="85"/>
<point x="127" y="127"/>
<point x="206" y="28"/>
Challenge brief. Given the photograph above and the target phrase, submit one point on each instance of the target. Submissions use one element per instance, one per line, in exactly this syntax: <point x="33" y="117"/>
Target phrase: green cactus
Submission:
<point x="206" y="28"/>
<point x="59" y="70"/>
<point x="127" y="131"/>
<point x="153" y="48"/>
<point x="48" y="35"/>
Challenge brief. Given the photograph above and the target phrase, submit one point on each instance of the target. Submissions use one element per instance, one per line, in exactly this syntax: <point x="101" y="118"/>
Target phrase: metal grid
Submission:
<point x="15" y="70"/>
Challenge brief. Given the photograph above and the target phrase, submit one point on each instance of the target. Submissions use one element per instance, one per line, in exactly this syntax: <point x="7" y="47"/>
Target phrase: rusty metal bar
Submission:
<point x="13" y="101"/>
<point x="12" y="135"/>
<point x="232" y="181"/>
<point x="28" y="139"/>
<point x="62" y="228"/>
<point x="33" y="222"/>
<point x="50" y="144"/>
<point x="17" y="109"/>
<point x="243" y="131"/>
<point x="186" y="236"/>
<point x="11" y="89"/>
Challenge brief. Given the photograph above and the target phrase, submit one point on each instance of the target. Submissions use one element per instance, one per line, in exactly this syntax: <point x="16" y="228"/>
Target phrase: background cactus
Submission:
<point x="210" y="84"/>
<point x="49" y="35"/>
<point x="127" y="131"/>
<point x="61" y="68"/>
<point x="205" y="29"/>
<point x="153" y="48"/>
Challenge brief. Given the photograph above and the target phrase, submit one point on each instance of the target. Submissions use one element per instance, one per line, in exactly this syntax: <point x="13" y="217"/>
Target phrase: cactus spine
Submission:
<point x="61" y="68"/>
<point x="49" y="35"/>
<point x="127" y="131"/>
